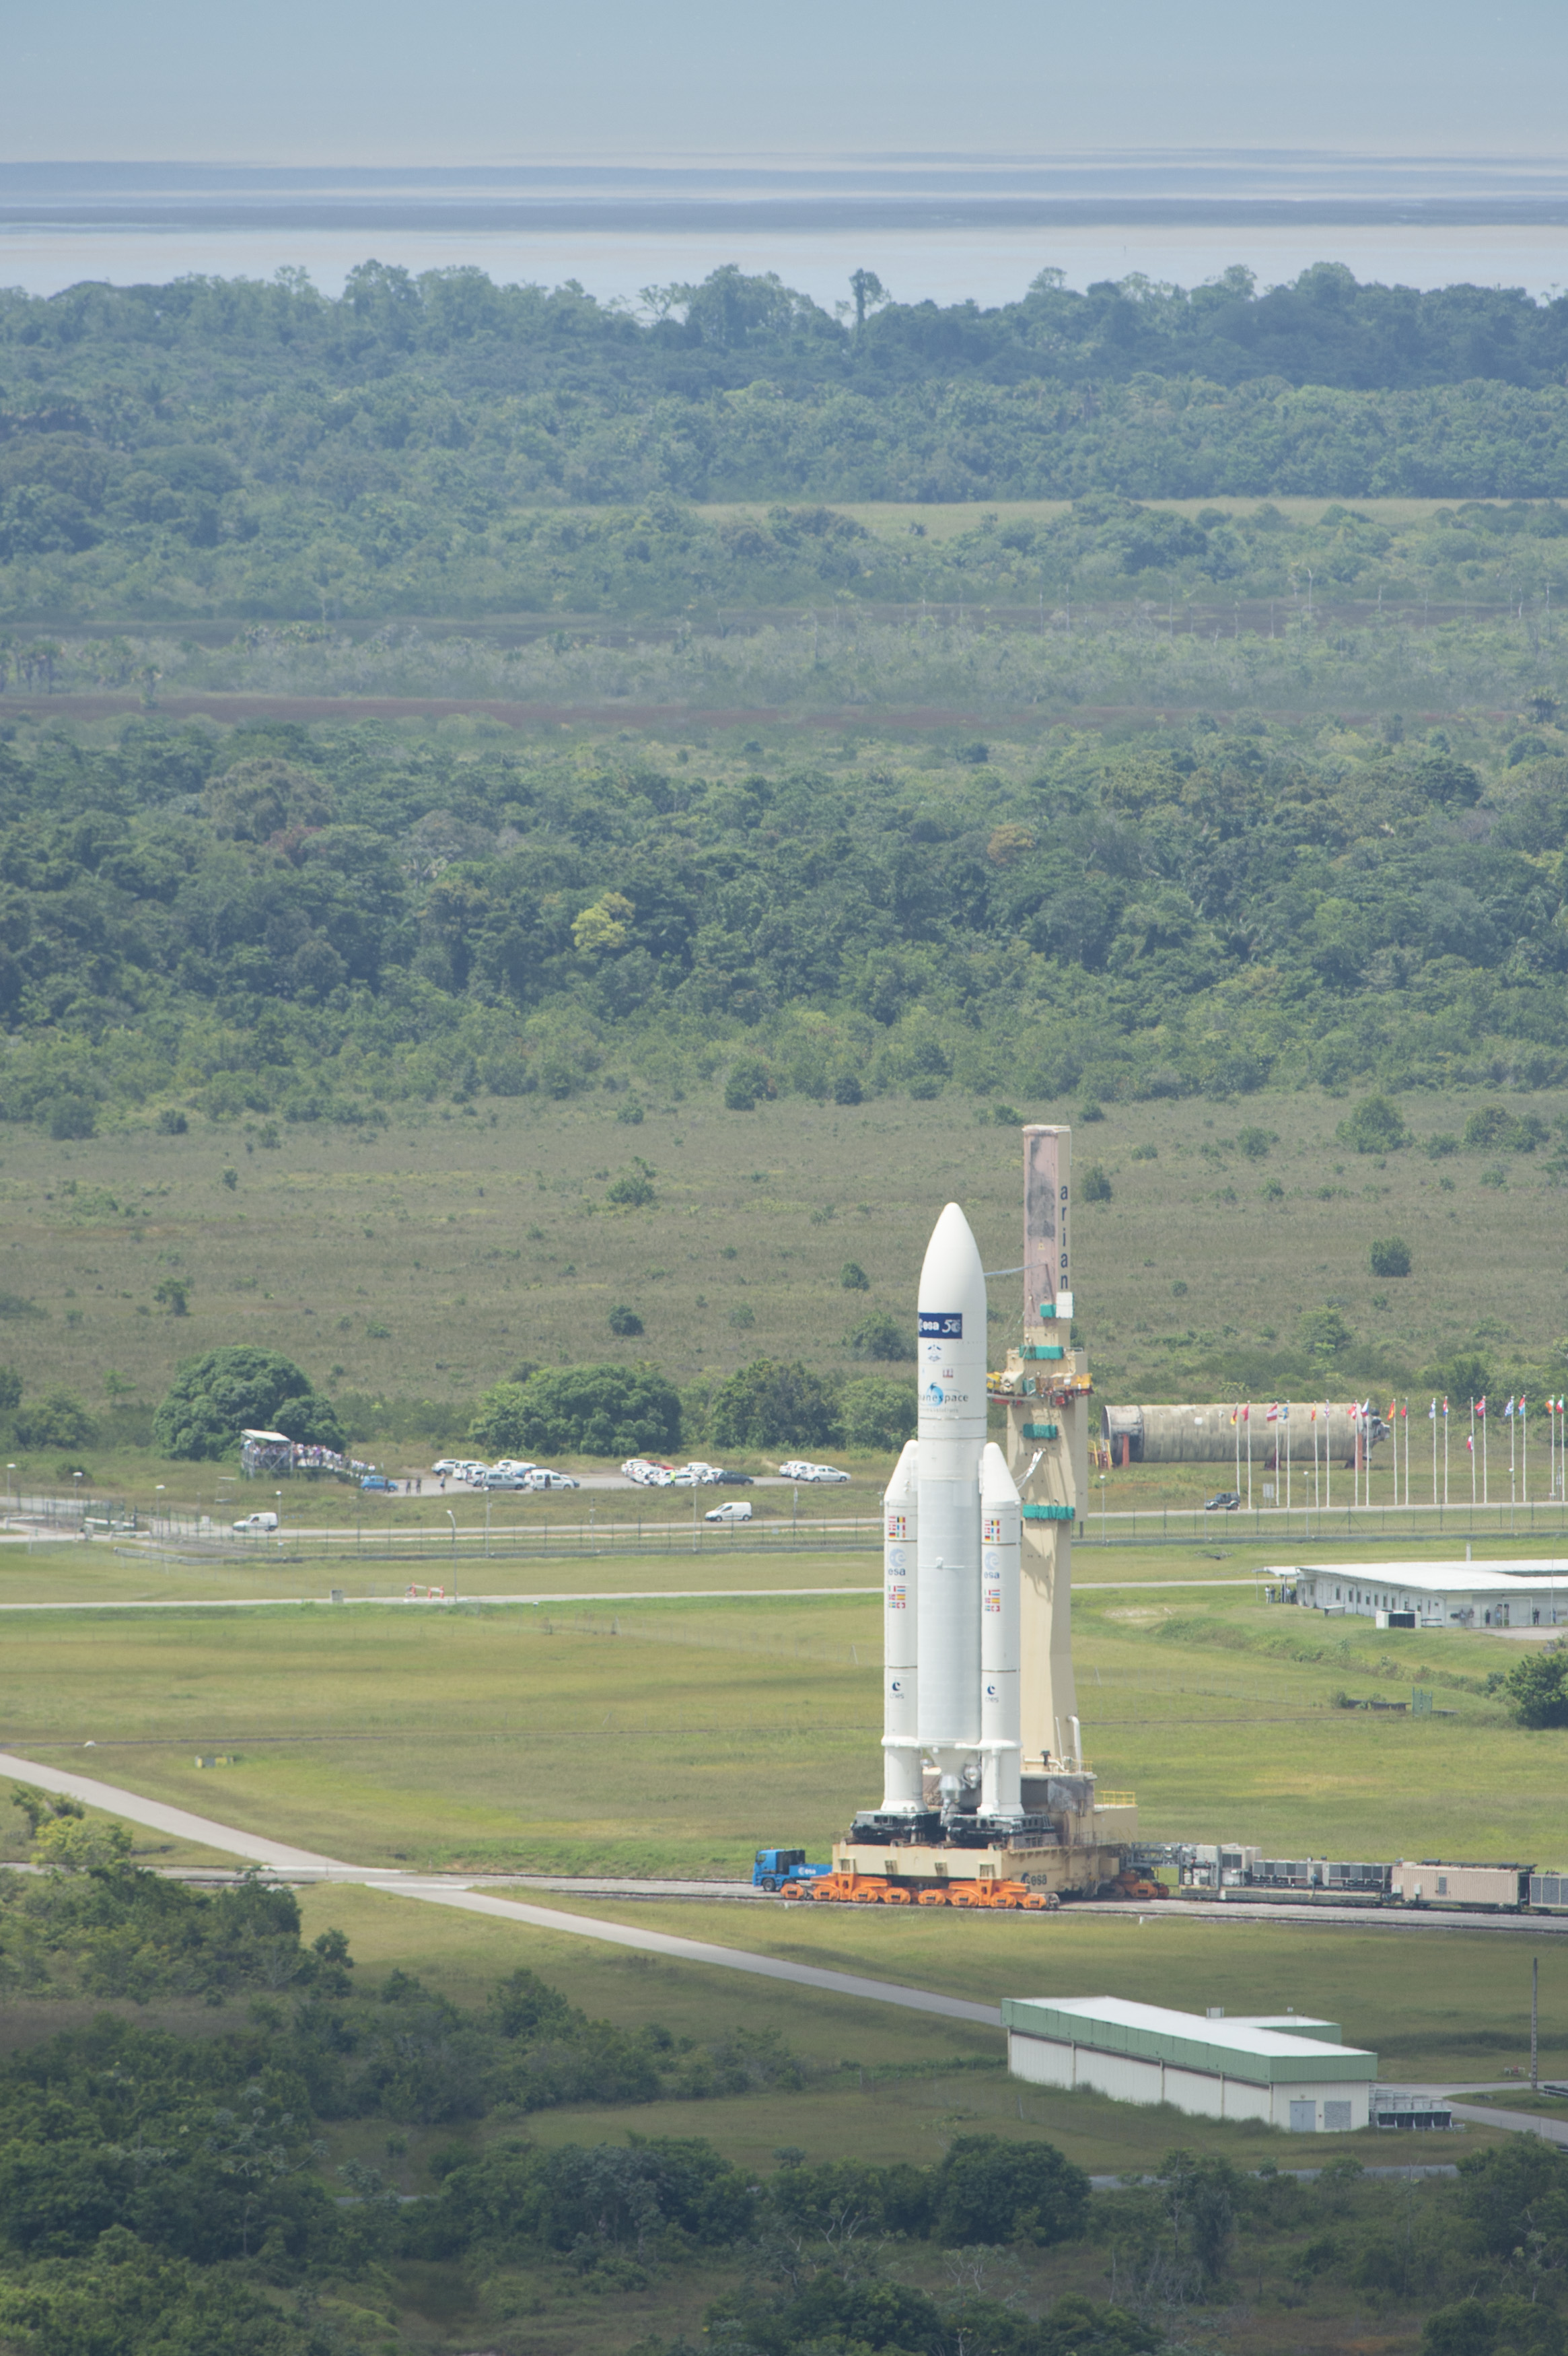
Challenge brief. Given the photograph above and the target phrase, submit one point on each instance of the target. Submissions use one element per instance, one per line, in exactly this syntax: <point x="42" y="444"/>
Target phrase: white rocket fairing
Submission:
<point x="951" y="1389"/>
<point x="901" y="1723"/>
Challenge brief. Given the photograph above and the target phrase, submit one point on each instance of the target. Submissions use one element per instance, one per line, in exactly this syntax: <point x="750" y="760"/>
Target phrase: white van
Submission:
<point x="733" y="1509"/>
<point x="253" y="1523"/>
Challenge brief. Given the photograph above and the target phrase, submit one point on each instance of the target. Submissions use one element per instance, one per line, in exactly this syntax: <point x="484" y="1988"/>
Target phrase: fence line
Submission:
<point x="1313" y="1525"/>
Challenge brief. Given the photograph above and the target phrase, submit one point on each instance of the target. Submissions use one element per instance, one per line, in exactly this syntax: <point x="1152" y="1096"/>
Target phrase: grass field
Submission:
<point x="428" y="1260"/>
<point x="677" y="1737"/>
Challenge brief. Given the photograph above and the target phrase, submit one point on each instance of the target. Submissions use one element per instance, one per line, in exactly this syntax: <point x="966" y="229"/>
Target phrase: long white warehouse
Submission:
<point x="1267" y="2068"/>
<point x="1483" y="1594"/>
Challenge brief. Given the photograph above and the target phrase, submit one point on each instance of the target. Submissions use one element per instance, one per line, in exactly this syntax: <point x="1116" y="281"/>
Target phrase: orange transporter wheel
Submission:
<point x="933" y="1898"/>
<point x="893" y="1896"/>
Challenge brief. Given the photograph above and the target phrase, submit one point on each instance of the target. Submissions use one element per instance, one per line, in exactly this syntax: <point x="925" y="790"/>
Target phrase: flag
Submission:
<point x="1234" y="1413"/>
<point x="1315" y="1415"/>
<point x="1272" y="1415"/>
<point x="1247" y="1413"/>
<point x="1431" y="1412"/>
<point x="1508" y="1411"/>
<point x="1392" y="1410"/>
<point x="1481" y="1407"/>
<point x="1470" y="1441"/>
<point x="1446" y="1407"/>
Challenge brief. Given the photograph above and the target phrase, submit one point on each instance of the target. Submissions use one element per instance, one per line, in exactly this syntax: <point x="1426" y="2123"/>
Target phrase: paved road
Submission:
<point x="425" y="1604"/>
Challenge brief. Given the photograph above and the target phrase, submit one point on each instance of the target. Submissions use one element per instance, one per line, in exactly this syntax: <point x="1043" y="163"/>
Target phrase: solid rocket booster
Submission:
<point x="951" y="1349"/>
<point x="900" y="1721"/>
<point x="1001" y="1551"/>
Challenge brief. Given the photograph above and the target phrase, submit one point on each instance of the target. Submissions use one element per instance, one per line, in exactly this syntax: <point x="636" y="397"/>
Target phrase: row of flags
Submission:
<point x="1361" y="1410"/>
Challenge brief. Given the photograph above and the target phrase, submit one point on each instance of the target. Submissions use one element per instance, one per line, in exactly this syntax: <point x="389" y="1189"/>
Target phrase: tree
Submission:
<point x="633" y="1189"/>
<point x="624" y="1321"/>
<point x="1097" y="1186"/>
<point x="1391" y="1255"/>
<point x="174" y="1294"/>
<point x="771" y="1405"/>
<point x="594" y="1410"/>
<point x="215" y="1397"/>
<point x="869" y="294"/>
<point x="853" y="1276"/>
<point x="989" y="2190"/>
<point x="58" y="1418"/>
<point x="1374" y="1126"/>
<point x="876" y="1411"/>
<point x="1537" y="1686"/>
<point x="1324" y="1333"/>
<point x="878" y="1335"/>
<point x="749" y="1079"/>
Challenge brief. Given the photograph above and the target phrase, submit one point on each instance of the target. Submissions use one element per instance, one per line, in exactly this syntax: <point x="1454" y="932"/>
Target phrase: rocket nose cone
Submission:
<point x="952" y="1266"/>
<point x="905" y="1483"/>
<point x="996" y="1484"/>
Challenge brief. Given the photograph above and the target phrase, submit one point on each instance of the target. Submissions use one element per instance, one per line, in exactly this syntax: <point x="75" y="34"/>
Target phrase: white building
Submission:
<point x="1486" y="1594"/>
<point x="1280" y="2069"/>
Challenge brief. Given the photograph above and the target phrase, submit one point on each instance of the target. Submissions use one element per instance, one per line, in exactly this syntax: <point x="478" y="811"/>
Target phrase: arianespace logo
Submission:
<point x="934" y="1394"/>
<point x="942" y="1324"/>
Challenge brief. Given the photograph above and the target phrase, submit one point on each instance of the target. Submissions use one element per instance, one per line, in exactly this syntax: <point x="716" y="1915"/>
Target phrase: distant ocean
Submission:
<point x="943" y="228"/>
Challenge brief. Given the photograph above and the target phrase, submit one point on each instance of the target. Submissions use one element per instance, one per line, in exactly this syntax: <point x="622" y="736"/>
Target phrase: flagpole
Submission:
<point x="1472" y="1456"/>
<point x="1486" y="1491"/>
<point x="1433" y="1420"/>
<point x="1444" y="1454"/>
<point x="1328" y="1457"/>
<point x="1248" y="1413"/>
<point x="1524" y="1448"/>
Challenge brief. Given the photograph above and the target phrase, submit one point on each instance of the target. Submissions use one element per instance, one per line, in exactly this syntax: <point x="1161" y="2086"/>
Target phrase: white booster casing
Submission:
<point x="951" y="1352"/>
<point x="1001" y="1562"/>
<point x="901" y="1640"/>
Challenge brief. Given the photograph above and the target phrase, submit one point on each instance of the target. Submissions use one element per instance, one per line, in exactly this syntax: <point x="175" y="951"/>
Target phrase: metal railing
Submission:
<point x="1278" y="1526"/>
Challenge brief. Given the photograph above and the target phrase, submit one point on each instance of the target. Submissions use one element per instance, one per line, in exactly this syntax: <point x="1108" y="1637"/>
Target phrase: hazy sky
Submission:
<point x="513" y="81"/>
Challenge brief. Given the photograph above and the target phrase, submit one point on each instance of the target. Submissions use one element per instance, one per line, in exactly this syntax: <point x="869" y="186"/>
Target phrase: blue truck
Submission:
<point x="785" y="1868"/>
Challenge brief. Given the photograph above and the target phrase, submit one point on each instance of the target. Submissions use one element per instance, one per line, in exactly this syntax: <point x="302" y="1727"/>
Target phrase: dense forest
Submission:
<point x="318" y="927"/>
<point x="220" y="446"/>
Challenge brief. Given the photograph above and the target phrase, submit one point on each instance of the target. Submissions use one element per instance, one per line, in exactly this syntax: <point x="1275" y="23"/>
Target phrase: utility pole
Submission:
<point x="1534" y="2024"/>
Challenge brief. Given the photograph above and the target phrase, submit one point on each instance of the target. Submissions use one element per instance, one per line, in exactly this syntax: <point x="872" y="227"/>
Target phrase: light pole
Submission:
<point x="157" y="1495"/>
<point x="10" y="1482"/>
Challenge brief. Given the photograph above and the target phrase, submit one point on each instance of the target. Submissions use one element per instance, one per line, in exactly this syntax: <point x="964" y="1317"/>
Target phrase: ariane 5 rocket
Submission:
<point x="952" y="1549"/>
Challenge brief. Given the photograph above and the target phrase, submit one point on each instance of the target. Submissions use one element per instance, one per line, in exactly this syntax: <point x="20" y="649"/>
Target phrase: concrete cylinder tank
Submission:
<point x="1206" y="1435"/>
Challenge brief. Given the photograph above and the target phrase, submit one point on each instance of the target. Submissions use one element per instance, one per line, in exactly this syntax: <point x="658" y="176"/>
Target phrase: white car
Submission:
<point x="503" y="1481"/>
<point x="827" y="1472"/>
<point x="254" y="1523"/>
<point x="733" y="1509"/>
<point x="446" y="1464"/>
<point x="646" y="1475"/>
<point x="798" y="1469"/>
<point x="541" y="1477"/>
<point x="513" y="1464"/>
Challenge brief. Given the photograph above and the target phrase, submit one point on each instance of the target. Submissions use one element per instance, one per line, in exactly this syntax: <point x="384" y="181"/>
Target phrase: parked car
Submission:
<point x="446" y="1464"/>
<point x="731" y="1479"/>
<point x="796" y="1469"/>
<point x="733" y="1509"/>
<point x="513" y="1464"/>
<point x="818" y="1473"/>
<point x="1226" y="1502"/>
<point x="379" y="1480"/>
<point x="489" y="1481"/>
<point x="255" y="1522"/>
<point x="541" y="1477"/>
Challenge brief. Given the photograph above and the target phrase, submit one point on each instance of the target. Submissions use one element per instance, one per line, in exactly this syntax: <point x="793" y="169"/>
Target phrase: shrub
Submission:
<point x="633" y="1189"/>
<point x="847" y="1090"/>
<point x="1490" y="1127"/>
<point x="876" y="1411"/>
<point x="171" y="1123"/>
<point x="1091" y="1112"/>
<point x="878" y="1335"/>
<point x="1440" y="1146"/>
<point x="594" y="1410"/>
<point x="174" y="1294"/>
<point x="1254" y="1143"/>
<point x="625" y="1321"/>
<point x="853" y="1276"/>
<point x="1097" y="1186"/>
<point x="215" y="1397"/>
<point x="10" y="1390"/>
<point x="767" y="1405"/>
<point x="1466" y="1378"/>
<point x="1374" y="1126"/>
<point x="1391" y="1255"/>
